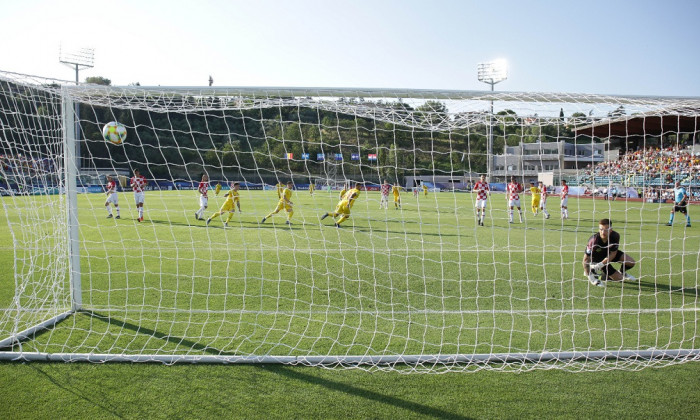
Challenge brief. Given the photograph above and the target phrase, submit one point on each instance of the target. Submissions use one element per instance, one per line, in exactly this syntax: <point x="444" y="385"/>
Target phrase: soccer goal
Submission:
<point x="413" y="282"/>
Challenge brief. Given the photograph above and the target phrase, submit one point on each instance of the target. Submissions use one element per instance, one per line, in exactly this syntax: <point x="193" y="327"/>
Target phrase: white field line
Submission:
<point x="220" y="248"/>
<point x="388" y="313"/>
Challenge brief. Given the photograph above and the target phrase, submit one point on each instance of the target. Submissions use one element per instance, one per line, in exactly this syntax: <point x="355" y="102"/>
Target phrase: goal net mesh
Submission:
<point x="417" y="285"/>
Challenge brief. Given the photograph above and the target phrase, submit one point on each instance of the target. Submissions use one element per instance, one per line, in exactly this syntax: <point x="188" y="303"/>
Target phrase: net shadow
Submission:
<point x="417" y="408"/>
<point x="138" y="329"/>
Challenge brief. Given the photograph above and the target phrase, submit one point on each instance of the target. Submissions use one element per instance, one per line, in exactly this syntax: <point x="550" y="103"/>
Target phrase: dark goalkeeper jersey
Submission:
<point x="599" y="250"/>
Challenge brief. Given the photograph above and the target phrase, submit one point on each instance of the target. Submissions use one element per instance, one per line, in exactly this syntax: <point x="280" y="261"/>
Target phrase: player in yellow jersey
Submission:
<point x="343" y="207"/>
<point x="217" y="190"/>
<point x="351" y="195"/>
<point x="425" y="189"/>
<point x="280" y="188"/>
<point x="284" y="203"/>
<point x="344" y="191"/>
<point x="396" y="190"/>
<point x="232" y="198"/>
<point x="312" y="187"/>
<point x="535" y="191"/>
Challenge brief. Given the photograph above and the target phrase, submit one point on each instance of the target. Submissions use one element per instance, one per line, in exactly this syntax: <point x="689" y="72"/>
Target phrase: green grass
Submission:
<point x="422" y="279"/>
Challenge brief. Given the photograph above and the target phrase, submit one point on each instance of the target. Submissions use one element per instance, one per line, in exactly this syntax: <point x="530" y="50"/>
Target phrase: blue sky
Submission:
<point x="608" y="47"/>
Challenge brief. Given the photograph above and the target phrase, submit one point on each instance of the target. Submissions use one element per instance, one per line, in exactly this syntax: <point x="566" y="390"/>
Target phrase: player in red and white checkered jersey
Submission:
<point x="482" y="190"/>
<point x="203" y="198"/>
<point x="112" y="197"/>
<point x="385" y="190"/>
<point x="512" y="193"/>
<point x="564" y="200"/>
<point x="138" y="183"/>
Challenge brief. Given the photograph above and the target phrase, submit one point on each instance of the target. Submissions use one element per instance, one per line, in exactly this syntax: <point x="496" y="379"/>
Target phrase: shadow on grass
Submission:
<point x="79" y="394"/>
<point x="139" y="329"/>
<point x="660" y="287"/>
<point x="291" y="373"/>
<point x="421" y="409"/>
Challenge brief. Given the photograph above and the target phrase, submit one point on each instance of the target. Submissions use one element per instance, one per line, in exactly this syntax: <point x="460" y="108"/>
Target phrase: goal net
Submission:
<point x="415" y="280"/>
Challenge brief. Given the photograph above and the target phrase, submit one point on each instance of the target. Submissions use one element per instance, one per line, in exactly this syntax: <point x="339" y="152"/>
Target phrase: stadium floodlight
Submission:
<point x="491" y="72"/>
<point x="77" y="58"/>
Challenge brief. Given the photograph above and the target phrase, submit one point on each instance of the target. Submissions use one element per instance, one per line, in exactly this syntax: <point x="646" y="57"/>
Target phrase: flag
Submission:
<point x="355" y="156"/>
<point x="320" y="156"/>
<point x="338" y="156"/>
<point x="290" y="155"/>
<point x="304" y="155"/>
<point x="372" y="156"/>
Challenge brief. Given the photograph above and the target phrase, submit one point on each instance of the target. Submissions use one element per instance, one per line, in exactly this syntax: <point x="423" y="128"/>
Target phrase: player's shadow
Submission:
<point x="355" y="391"/>
<point x="660" y="287"/>
<point x="373" y="229"/>
<point x="173" y="223"/>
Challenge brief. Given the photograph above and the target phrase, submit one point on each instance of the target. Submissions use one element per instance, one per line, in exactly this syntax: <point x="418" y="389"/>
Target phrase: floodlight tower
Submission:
<point x="491" y="72"/>
<point x="80" y="58"/>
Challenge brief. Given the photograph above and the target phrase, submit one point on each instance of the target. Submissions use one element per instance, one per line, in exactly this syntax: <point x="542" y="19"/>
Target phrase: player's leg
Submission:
<point x="612" y="274"/>
<point x="344" y="214"/>
<point x="277" y="209"/>
<point x="626" y="264"/>
<point x="673" y="213"/>
<point x="520" y="212"/>
<point x="290" y="212"/>
<point x="109" y="209"/>
<point x="687" y="216"/>
<point x="510" y="214"/>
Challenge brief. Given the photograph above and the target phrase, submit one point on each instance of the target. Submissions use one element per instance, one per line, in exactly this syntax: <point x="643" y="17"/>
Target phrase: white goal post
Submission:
<point x="422" y="284"/>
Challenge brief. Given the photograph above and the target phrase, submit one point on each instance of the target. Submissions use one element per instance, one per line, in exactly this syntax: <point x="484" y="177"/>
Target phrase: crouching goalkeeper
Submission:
<point x="601" y="251"/>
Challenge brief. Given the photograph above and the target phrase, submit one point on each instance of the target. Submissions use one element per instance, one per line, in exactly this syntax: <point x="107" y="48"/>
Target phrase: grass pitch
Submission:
<point x="423" y="279"/>
<point x="660" y="305"/>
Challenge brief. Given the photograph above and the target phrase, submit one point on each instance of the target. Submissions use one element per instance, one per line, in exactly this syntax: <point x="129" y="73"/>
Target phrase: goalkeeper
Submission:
<point x="601" y="251"/>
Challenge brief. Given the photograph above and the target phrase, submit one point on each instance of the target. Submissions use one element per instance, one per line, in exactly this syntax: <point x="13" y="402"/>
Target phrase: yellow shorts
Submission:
<point x="282" y="205"/>
<point x="535" y="203"/>
<point x="342" y="208"/>
<point x="228" y="206"/>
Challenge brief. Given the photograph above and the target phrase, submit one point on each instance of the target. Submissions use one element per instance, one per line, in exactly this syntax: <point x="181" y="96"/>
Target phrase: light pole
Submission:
<point x="78" y="59"/>
<point x="491" y="72"/>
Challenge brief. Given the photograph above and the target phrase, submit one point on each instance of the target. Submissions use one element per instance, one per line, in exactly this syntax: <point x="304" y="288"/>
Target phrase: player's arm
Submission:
<point x="611" y="256"/>
<point x="586" y="264"/>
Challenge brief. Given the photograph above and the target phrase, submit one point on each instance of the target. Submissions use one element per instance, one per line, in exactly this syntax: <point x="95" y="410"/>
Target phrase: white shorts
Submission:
<point x="113" y="198"/>
<point x="543" y="203"/>
<point x="481" y="204"/>
<point x="385" y="198"/>
<point x="138" y="197"/>
<point x="203" y="201"/>
<point x="514" y="203"/>
<point x="565" y="201"/>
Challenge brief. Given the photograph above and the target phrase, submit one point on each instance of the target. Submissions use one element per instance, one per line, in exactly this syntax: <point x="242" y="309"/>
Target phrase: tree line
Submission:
<point x="244" y="143"/>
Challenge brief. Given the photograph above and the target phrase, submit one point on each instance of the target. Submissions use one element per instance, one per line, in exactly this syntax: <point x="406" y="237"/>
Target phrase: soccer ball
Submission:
<point x="114" y="132"/>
